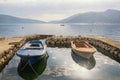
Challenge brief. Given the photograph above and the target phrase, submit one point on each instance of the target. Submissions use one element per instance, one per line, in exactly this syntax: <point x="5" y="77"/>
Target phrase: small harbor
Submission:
<point x="61" y="62"/>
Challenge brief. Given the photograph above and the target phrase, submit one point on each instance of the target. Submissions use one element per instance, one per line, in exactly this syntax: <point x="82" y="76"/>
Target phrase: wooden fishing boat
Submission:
<point x="83" y="48"/>
<point x="32" y="51"/>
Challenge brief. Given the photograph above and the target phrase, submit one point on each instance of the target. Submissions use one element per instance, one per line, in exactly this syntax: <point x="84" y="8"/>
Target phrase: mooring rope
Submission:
<point x="23" y="67"/>
<point x="32" y="67"/>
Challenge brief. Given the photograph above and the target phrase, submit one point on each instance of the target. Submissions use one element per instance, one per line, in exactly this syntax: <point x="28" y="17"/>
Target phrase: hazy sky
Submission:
<point x="48" y="10"/>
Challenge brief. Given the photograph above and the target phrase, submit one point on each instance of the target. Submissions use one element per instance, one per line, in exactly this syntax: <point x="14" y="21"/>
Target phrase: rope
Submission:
<point x="32" y="68"/>
<point x="23" y="67"/>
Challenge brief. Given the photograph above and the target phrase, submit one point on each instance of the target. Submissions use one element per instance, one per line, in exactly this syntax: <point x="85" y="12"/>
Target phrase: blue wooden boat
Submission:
<point x="32" y="51"/>
<point x="31" y="72"/>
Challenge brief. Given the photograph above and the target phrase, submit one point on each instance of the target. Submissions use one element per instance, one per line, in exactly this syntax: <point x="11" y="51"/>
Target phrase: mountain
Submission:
<point x="54" y="21"/>
<point x="108" y="16"/>
<point x="12" y="19"/>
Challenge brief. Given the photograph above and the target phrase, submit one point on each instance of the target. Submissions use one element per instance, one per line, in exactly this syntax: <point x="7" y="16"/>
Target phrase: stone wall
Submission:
<point x="104" y="45"/>
<point x="36" y="37"/>
<point x="7" y="54"/>
<point x="106" y="48"/>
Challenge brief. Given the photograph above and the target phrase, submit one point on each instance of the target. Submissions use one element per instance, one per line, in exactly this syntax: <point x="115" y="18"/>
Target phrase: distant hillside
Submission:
<point x="12" y="19"/>
<point x="108" y="16"/>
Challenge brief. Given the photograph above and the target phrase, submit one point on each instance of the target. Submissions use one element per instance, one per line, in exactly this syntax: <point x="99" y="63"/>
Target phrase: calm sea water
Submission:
<point x="62" y="64"/>
<point x="111" y="31"/>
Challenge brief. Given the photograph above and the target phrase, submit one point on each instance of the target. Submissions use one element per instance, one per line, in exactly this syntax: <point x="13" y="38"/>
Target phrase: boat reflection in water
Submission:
<point x="32" y="71"/>
<point x="86" y="63"/>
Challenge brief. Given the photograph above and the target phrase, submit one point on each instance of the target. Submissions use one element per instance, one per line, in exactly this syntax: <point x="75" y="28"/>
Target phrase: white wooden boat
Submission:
<point x="83" y="48"/>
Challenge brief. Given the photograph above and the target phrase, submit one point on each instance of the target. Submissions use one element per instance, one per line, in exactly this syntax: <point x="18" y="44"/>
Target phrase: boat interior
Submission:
<point x="82" y="44"/>
<point x="34" y="45"/>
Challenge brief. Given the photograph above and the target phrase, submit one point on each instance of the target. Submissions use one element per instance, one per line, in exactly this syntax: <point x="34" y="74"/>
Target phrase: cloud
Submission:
<point x="54" y="9"/>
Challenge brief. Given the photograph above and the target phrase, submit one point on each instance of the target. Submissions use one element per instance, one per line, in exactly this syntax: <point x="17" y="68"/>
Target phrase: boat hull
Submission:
<point x="83" y="62"/>
<point x="32" y="59"/>
<point x="83" y="54"/>
<point x="32" y="72"/>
